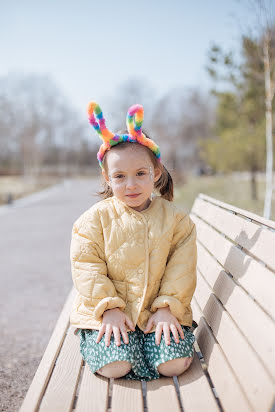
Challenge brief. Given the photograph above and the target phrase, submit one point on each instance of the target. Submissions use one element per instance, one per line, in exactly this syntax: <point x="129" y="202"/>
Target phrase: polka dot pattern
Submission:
<point x="141" y="351"/>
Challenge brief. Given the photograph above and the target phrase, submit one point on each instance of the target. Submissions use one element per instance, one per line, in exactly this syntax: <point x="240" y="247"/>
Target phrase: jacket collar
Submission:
<point x="154" y="205"/>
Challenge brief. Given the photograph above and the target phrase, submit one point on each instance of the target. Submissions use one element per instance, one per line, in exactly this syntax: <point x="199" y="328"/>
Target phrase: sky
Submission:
<point x="90" y="48"/>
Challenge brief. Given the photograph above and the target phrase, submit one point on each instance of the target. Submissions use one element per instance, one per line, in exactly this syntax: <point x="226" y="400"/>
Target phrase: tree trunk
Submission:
<point x="269" y="149"/>
<point x="173" y="160"/>
<point x="253" y="181"/>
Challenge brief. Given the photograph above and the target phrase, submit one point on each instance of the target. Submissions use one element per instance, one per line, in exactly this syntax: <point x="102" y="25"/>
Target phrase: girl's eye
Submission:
<point x="120" y="176"/>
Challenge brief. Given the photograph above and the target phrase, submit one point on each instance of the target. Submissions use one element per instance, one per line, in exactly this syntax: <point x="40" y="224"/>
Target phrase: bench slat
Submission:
<point x="243" y="310"/>
<point x="260" y="242"/>
<point x="61" y="390"/>
<point x="235" y="339"/>
<point x="267" y="222"/>
<point x="258" y="385"/>
<point x="41" y="377"/>
<point x="93" y="392"/>
<point x="193" y="382"/>
<point x="220" y="372"/>
<point x="162" y="396"/>
<point x="127" y="395"/>
<point x="256" y="279"/>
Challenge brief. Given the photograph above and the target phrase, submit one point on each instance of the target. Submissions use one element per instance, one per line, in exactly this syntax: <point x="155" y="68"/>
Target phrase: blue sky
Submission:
<point x="91" y="47"/>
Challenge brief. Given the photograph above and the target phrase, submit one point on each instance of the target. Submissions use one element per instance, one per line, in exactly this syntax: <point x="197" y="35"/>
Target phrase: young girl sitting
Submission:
<point x="133" y="257"/>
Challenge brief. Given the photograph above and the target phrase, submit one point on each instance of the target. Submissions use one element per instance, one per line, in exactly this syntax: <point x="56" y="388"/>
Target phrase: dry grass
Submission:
<point x="234" y="189"/>
<point x="19" y="186"/>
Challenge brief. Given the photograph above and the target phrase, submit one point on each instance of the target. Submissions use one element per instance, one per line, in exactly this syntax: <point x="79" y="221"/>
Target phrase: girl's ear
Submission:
<point x="106" y="177"/>
<point x="157" y="174"/>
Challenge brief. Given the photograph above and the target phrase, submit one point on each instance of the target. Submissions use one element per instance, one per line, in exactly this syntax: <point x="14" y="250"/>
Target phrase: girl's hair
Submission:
<point x="164" y="184"/>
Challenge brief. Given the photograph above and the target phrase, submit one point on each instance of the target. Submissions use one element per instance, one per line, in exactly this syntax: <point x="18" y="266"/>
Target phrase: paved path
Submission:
<point x="35" y="279"/>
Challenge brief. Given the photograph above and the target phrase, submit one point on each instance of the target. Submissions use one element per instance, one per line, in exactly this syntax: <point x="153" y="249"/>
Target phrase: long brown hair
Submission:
<point x="164" y="184"/>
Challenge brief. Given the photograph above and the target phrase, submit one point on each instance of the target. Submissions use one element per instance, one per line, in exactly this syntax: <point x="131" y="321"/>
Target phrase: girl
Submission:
<point x="133" y="257"/>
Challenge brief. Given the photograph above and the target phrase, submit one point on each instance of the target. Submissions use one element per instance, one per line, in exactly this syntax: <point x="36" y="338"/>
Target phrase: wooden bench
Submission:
<point x="234" y="305"/>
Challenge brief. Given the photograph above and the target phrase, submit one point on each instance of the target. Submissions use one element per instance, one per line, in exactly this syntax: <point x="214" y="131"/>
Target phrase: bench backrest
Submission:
<point x="234" y="303"/>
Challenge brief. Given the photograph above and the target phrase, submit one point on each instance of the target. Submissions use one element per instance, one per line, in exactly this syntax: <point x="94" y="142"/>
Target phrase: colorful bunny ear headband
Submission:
<point x="134" y="121"/>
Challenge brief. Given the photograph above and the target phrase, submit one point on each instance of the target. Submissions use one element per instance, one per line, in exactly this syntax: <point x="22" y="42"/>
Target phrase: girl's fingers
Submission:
<point x="108" y="334"/>
<point x="175" y="332"/>
<point x="149" y="325"/>
<point x="116" y="335"/>
<point x="100" y="333"/>
<point x="180" y="330"/>
<point x="158" y="333"/>
<point x="166" y="332"/>
<point x="124" y="334"/>
<point x="129" y="323"/>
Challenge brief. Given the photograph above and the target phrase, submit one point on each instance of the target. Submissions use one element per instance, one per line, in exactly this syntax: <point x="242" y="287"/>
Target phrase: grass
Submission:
<point x="234" y="189"/>
<point x="19" y="186"/>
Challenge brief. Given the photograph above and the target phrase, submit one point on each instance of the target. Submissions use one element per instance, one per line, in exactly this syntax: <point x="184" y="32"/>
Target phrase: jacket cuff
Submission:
<point x="174" y="304"/>
<point x="108" y="303"/>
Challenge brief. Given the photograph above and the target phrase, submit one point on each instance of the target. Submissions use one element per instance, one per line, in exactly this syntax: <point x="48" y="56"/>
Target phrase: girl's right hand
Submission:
<point x="114" y="321"/>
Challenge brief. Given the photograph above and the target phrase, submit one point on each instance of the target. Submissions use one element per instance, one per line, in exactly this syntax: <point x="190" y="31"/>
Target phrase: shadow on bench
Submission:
<point x="234" y="305"/>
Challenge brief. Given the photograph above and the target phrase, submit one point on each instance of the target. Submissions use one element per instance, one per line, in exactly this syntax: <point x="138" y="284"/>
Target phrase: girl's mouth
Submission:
<point x="136" y="195"/>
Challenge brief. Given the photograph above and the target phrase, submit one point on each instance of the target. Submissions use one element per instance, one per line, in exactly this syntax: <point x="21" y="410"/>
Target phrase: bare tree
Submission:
<point x="182" y="118"/>
<point x="37" y="123"/>
<point x="134" y="90"/>
<point x="176" y="121"/>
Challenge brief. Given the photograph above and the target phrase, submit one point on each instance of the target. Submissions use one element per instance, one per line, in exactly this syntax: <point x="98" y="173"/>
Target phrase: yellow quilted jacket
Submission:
<point x="136" y="261"/>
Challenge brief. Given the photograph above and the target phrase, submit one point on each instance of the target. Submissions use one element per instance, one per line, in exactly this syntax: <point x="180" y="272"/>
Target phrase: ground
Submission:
<point x="35" y="280"/>
<point x="35" y="269"/>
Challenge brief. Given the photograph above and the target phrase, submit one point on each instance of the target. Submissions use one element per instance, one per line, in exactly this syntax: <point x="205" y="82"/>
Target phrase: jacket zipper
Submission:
<point x="146" y="267"/>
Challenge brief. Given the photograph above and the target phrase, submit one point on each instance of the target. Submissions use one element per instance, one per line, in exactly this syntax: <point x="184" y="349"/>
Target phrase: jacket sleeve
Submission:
<point x="89" y="269"/>
<point x="179" y="280"/>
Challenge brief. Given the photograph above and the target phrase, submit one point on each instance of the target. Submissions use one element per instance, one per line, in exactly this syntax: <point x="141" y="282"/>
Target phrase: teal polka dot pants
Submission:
<point x="141" y="351"/>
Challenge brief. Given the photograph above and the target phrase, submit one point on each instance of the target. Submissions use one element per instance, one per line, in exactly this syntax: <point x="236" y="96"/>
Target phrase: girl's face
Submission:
<point x="131" y="172"/>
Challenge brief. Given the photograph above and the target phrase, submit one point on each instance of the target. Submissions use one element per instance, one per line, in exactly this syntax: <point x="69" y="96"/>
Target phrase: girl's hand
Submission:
<point x="164" y="321"/>
<point x="114" y="321"/>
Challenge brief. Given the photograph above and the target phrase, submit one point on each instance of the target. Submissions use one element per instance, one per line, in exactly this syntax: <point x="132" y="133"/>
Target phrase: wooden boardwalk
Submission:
<point x="35" y="279"/>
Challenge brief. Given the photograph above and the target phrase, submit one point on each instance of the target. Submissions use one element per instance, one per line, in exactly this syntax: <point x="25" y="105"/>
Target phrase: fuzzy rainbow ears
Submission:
<point x="134" y="122"/>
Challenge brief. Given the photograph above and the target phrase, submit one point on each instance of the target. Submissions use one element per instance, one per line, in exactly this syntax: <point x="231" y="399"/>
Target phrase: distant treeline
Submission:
<point x="40" y="130"/>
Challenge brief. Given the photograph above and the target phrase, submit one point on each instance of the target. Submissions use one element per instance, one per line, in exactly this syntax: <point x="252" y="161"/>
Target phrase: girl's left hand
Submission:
<point x="164" y="321"/>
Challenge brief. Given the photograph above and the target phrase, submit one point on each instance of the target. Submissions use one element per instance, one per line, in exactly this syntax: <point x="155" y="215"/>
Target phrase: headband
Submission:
<point x="134" y="122"/>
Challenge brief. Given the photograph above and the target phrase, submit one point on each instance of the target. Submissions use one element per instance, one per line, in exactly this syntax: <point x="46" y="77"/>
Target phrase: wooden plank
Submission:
<point x="258" y="386"/>
<point x="256" y="279"/>
<point x="42" y="375"/>
<point x="93" y="392"/>
<point x="239" y="304"/>
<point x="61" y="390"/>
<point x="218" y="367"/>
<point x="161" y="395"/>
<point x="268" y="223"/>
<point x="193" y="382"/>
<point x="127" y="396"/>
<point x="259" y="241"/>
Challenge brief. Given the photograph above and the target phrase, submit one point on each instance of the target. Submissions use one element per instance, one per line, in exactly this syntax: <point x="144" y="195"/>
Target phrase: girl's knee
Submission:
<point x="175" y="367"/>
<point x="115" y="369"/>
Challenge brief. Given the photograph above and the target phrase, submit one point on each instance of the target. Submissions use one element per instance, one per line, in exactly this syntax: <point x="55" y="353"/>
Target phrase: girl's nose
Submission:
<point x="131" y="182"/>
